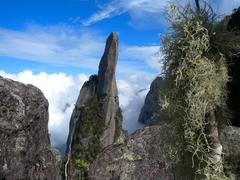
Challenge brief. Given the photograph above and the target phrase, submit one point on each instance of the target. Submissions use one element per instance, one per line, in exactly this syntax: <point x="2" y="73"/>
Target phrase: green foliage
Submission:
<point x="89" y="131"/>
<point x="118" y="124"/>
<point x="81" y="164"/>
<point x="90" y="128"/>
<point x="62" y="166"/>
<point x="195" y="76"/>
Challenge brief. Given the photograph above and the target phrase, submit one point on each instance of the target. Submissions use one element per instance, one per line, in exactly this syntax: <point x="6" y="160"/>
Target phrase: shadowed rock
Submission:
<point x="25" y="151"/>
<point x="150" y="112"/>
<point x="107" y="67"/>
<point x="234" y="73"/>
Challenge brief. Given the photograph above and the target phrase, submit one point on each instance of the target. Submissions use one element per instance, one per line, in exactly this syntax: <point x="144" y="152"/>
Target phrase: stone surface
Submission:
<point x="150" y="111"/>
<point x="141" y="156"/>
<point x="87" y="91"/>
<point x="25" y="152"/>
<point x="107" y="67"/>
<point x="97" y="109"/>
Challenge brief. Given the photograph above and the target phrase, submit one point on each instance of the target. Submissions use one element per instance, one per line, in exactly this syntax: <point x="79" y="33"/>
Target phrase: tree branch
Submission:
<point x="197" y="5"/>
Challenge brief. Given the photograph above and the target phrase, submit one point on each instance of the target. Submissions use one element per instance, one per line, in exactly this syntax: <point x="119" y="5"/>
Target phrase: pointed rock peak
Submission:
<point x="113" y="37"/>
<point x="107" y="67"/>
<point x="111" y="52"/>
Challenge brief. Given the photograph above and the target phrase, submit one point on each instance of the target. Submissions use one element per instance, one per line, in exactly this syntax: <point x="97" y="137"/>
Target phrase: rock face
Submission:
<point x="96" y="121"/>
<point x="150" y="111"/>
<point x="141" y="157"/>
<point x="25" y="152"/>
<point x="234" y="73"/>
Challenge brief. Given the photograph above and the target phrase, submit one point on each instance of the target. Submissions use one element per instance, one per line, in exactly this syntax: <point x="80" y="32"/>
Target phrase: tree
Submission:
<point x="197" y="5"/>
<point x="196" y="76"/>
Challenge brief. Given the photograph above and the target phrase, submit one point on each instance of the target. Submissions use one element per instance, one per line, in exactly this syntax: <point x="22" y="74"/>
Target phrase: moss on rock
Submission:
<point x="118" y="125"/>
<point x="89" y="129"/>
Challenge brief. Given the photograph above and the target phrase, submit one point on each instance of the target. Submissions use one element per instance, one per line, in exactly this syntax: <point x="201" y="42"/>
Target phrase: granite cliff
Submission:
<point x="150" y="114"/>
<point x="25" y="151"/>
<point x="96" y="121"/>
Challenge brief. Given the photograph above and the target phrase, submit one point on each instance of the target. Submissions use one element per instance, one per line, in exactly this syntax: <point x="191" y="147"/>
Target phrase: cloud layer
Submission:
<point x="63" y="45"/>
<point x="146" y="13"/>
<point x="62" y="90"/>
<point x="139" y="10"/>
<point x="59" y="44"/>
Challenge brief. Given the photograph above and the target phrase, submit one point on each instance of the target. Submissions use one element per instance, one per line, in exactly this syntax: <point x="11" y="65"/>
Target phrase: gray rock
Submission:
<point x="97" y="109"/>
<point x="150" y="112"/>
<point x="87" y="91"/>
<point x="107" y="89"/>
<point x="25" y="151"/>
<point x="142" y="156"/>
<point x="107" y="68"/>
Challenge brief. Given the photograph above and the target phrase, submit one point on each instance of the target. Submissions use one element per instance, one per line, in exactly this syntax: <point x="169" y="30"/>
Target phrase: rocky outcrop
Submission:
<point x="142" y="156"/>
<point x="25" y="152"/>
<point x="150" y="112"/>
<point x="96" y="121"/>
<point x="107" y="90"/>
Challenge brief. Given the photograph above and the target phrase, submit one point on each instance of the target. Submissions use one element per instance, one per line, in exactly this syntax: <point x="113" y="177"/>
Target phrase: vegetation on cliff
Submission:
<point x="90" y="128"/>
<point x="196" y="75"/>
<point x="89" y="132"/>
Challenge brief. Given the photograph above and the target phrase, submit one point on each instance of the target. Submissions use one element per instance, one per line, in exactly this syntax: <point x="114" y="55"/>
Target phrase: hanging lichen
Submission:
<point x="195" y="94"/>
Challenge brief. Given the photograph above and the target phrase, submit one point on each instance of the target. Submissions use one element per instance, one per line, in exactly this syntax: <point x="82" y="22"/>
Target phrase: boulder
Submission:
<point x="142" y="156"/>
<point x="25" y="151"/>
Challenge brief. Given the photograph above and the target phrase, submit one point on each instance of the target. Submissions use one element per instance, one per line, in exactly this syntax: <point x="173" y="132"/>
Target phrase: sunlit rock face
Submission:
<point x="25" y="151"/>
<point x="96" y="121"/>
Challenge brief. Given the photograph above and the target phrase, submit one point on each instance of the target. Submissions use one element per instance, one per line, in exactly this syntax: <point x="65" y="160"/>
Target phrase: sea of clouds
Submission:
<point x="62" y="91"/>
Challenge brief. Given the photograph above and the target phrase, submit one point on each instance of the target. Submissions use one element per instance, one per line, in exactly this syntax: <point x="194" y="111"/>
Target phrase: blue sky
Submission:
<point x="56" y="44"/>
<point x="31" y="21"/>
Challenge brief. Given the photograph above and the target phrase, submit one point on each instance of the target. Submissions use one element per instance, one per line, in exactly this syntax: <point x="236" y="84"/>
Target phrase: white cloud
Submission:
<point x="143" y="56"/>
<point x="132" y="92"/>
<point x="138" y="9"/>
<point x="61" y="45"/>
<point x="149" y="13"/>
<point x="139" y="52"/>
<point x="62" y="90"/>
